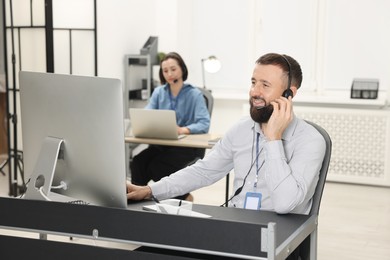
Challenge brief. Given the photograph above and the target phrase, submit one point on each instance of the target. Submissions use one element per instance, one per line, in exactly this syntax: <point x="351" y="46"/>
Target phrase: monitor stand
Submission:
<point x="43" y="173"/>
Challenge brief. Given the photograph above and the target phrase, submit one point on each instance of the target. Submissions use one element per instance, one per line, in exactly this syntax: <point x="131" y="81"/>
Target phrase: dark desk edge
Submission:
<point x="221" y="234"/>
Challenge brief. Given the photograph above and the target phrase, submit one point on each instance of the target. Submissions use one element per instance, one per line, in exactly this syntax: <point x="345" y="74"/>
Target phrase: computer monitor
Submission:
<point x="73" y="138"/>
<point x="151" y="48"/>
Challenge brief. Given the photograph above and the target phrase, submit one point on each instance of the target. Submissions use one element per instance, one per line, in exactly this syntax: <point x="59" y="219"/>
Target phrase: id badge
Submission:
<point x="252" y="200"/>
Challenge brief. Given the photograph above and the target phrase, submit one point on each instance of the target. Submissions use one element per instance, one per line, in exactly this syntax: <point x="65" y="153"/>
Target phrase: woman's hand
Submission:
<point x="183" y="130"/>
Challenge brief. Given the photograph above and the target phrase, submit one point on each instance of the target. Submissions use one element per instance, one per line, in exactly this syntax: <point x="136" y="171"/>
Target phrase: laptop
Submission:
<point x="154" y="123"/>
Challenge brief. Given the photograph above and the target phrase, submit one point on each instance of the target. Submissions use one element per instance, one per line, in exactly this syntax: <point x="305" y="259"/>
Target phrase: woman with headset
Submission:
<point x="192" y="117"/>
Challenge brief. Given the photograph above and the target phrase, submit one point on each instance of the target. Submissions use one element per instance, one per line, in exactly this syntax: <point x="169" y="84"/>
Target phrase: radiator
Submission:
<point x="361" y="142"/>
<point x="360" y="139"/>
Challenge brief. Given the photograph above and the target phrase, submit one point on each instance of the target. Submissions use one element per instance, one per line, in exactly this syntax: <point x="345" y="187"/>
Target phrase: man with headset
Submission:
<point x="276" y="157"/>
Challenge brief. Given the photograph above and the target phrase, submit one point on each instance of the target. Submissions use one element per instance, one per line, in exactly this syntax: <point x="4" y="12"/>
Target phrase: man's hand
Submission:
<point x="280" y="118"/>
<point x="135" y="192"/>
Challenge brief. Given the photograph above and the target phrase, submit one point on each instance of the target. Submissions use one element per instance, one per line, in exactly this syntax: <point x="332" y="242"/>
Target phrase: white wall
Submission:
<point x="334" y="40"/>
<point x="356" y="42"/>
<point x="123" y="27"/>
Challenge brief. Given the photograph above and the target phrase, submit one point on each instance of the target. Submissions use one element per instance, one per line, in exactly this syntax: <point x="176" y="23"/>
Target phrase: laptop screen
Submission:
<point x="153" y="123"/>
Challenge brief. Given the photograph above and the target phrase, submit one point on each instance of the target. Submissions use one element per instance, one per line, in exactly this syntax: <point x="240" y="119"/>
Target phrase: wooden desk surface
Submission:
<point x="194" y="140"/>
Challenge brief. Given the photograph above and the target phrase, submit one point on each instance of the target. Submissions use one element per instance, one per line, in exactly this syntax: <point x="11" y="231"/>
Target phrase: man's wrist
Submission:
<point x="149" y="192"/>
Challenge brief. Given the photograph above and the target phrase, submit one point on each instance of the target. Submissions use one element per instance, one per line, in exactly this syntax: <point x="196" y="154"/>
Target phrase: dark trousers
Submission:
<point x="156" y="162"/>
<point x="300" y="253"/>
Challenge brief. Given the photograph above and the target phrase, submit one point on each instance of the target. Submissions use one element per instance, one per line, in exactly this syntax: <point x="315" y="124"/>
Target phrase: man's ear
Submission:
<point x="294" y="90"/>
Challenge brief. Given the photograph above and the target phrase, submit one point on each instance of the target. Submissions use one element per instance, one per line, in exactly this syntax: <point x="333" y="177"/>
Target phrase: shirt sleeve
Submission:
<point x="154" y="98"/>
<point x="203" y="173"/>
<point x="292" y="181"/>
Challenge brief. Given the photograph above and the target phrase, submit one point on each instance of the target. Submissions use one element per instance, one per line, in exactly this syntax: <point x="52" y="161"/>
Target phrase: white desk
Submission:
<point x="193" y="141"/>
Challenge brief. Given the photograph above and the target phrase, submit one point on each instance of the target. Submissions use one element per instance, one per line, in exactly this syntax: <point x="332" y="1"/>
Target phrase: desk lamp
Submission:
<point x="211" y="65"/>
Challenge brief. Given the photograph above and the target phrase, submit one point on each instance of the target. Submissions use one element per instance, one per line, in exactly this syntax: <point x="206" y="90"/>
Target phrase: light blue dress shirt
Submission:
<point x="189" y="104"/>
<point x="286" y="180"/>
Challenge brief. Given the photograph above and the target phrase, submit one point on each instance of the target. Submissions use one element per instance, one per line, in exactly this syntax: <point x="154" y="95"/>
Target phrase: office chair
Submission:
<point x="306" y="249"/>
<point x="208" y="98"/>
<point x="315" y="208"/>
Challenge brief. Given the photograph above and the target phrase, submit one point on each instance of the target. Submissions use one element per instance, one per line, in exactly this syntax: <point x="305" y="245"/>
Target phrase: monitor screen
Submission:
<point x="73" y="138"/>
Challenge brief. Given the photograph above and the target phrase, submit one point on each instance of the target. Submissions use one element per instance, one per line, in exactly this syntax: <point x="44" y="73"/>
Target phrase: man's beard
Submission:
<point x="261" y="115"/>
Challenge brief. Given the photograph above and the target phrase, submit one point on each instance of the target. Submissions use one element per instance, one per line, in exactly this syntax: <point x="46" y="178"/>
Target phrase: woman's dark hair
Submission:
<point x="180" y="61"/>
<point x="280" y="60"/>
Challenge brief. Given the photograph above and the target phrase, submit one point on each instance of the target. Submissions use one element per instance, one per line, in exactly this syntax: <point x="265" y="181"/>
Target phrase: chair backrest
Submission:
<point x="324" y="170"/>
<point x="208" y="98"/>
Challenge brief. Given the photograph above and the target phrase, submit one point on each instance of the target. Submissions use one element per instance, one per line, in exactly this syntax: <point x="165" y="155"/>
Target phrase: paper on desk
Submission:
<point x="171" y="207"/>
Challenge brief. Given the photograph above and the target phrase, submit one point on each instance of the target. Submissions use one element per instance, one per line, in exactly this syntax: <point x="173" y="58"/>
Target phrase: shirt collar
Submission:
<point x="287" y="134"/>
<point x="166" y="86"/>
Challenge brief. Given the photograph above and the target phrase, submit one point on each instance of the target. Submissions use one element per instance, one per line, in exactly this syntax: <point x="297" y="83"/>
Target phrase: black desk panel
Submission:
<point x="26" y="248"/>
<point x="230" y="231"/>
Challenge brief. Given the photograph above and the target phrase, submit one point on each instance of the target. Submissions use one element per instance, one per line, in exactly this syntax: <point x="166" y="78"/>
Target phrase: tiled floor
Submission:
<point x="354" y="221"/>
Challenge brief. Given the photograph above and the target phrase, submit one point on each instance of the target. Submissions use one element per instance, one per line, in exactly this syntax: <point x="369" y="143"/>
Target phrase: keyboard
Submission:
<point x="79" y="202"/>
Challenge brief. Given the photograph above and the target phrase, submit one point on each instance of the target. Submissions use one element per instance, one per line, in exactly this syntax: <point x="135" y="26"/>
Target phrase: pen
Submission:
<point x="155" y="199"/>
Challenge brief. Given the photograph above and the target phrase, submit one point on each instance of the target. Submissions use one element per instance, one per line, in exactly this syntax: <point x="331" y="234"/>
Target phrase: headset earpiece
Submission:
<point x="287" y="93"/>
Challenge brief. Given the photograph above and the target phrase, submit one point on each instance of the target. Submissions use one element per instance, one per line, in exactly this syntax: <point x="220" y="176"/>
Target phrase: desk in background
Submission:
<point x="193" y="141"/>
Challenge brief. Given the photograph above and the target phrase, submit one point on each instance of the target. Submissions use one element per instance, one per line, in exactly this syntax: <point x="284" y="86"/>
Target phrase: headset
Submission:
<point x="288" y="92"/>
<point x="253" y="160"/>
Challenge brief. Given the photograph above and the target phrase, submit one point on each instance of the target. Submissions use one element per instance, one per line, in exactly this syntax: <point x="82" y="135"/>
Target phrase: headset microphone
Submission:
<point x="175" y="81"/>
